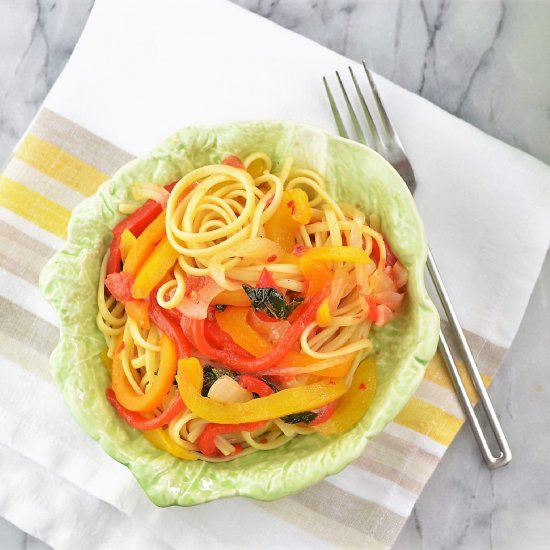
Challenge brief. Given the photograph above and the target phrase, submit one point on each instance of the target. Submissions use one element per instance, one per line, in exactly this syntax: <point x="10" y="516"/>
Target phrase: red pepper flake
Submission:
<point x="263" y="440"/>
<point x="362" y="386"/>
<point x="272" y="259"/>
<point x="332" y="382"/>
<point x="292" y="206"/>
<point x="298" y="250"/>
<point x="121" y="347"/>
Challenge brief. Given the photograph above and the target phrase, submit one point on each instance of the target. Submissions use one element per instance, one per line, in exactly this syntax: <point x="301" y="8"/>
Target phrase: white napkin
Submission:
<point x="144" y="69"/>
<point x="141" y="70"/>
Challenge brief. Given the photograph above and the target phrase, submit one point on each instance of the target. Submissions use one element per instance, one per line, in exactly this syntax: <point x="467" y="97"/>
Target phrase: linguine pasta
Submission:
<point x="236" y="306"/>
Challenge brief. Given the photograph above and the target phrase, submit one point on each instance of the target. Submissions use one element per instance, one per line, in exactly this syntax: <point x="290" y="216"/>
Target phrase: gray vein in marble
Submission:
<point x="484" y="61"/>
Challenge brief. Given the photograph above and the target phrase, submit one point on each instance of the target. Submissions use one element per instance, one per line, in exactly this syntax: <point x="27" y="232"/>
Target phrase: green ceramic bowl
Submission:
<point x="69" y="282"/>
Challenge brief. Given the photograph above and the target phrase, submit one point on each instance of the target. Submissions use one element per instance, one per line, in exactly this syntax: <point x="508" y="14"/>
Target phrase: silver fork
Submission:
<point x="389" y="146"/>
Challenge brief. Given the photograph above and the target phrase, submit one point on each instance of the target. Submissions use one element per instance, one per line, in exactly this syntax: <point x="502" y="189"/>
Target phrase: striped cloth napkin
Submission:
<point x="141" y="70"/>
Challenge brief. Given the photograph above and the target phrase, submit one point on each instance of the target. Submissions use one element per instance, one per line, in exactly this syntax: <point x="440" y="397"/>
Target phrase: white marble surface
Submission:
<point x="486" y="62"/>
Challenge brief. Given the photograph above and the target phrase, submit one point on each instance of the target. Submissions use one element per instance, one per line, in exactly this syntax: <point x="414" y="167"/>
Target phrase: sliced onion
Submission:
<point x="338" y="285"/>
<point x="195" y="306"/>
<point x="380" y="281"/>
<point x="399" y="275"/>
<point x="385" y="315"/>
<point x="389" y="298"/>
<point x="227" y="390"/>
<point x="274" y="331"/>
<point x="143" y="191"/>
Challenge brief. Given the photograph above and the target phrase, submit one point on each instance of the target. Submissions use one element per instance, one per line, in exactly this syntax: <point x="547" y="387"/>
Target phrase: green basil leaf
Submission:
<point x="306" y="417"/>
<point x="271" y="301"/>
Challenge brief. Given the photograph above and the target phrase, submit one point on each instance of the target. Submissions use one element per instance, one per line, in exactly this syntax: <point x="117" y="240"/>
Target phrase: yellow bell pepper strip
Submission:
<point x="256" y="168"/>
<point x="160" y="439"/>
<point x="138" y="310"/>
<point x="232" y="298"/>
<point x="298" y="202"/>
<point x="356" y="401"/>
<point x="323" y="317"/>
<point x="127" y="241"/>
<point x="317" y="274"/>
<point x="233" y="321"/>
<point x="338" y="254"/>
<point x="145" y="244"/>
<point x="289" y="401"/>
<point x="161" y="260"/>
<point x="283" y="225"/>
<point x="162" y="383"/>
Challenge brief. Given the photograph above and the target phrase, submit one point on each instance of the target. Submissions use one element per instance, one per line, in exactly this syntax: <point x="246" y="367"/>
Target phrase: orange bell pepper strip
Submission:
<point x="145" y="244"/>
<point x="127" y="241"/>
<point x="283" y="225"/>
<point x="162" y="383"/>
<point x="232" y="298"/>
<point x="160" y="439"/>
<point x="289" y="401"/>
<point x="139" y="312"/>
<point x="233" y="321"/>
<point x="355" y="402"/>
<point x="155" y="267"/>
<point x="299" y="359"/>
<point x="317" y="274"/>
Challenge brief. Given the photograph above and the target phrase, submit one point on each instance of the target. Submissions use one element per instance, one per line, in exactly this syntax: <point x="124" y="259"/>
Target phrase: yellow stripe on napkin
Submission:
<point x="429" y="420"/>
<point x="34" y="207"/>
<point x="60" y="165"/>
<point x="437" y="373"/>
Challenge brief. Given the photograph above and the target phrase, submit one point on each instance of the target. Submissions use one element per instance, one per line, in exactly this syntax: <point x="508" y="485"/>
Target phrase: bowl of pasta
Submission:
<point x="242" y="310"/>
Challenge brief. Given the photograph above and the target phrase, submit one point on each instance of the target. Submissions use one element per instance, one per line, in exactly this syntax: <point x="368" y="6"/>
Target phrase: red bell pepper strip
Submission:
<point x="206" y="441"/>
<point x="266" y="280"/>
<point x="137" y="420"/>
<point x="234" y="161"/>
<point x="373" y="310"/>
<point x="324" y="413"/>
<point x="255" y="385"/>
<point x="169" y="326"/>
<point x="136" y="223"/>
<point x="120" y="286"/>
<point x="221" y="340"/>
<point x="258" y="364"/>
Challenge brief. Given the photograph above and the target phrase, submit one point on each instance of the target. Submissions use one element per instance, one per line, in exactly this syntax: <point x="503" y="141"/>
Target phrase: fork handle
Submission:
<point x="505" y="454"/>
